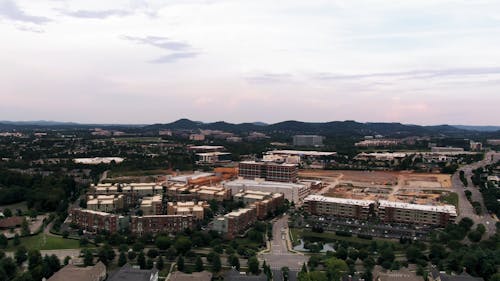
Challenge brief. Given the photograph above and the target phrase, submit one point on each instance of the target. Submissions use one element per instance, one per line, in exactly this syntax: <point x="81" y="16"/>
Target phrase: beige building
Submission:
<point x="251" y="196"/>
<point x="151" y="205"/>
<point x="187" y="208"/>
<point x="339" y="207"/>
<point x="400" y="212"/>
<point x="208" y="193"/>
<point x="105" y="203"/>
<point x="75" y="273"/>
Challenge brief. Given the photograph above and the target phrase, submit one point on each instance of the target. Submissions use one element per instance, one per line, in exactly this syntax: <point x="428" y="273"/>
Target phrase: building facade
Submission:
<point x="269" y="171"/>
<point x="160" y="224"/>
<point x="400" y="212"/>
<point x="308" y="140"/>
<point x="339" y="207"/>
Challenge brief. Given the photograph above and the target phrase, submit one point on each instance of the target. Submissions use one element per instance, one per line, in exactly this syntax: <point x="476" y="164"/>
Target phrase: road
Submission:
<point x="279" y="256"/>
<point x="464" y="206"/>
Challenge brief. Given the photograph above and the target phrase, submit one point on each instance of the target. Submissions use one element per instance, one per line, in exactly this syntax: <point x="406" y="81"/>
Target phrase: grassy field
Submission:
<point x="45" y="242"/>
<point x="297" y="234"/>
<point x="450" y="198"/>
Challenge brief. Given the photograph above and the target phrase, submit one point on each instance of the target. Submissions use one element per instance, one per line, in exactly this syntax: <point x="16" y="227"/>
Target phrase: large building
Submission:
<point x="129" y="273"/>
<point x="188" y="208"/>
<point x="132" y="192"/>
<point x="400" y="212"/>
<point x="306" y="159"/>
<point x="95" y="221"/>
<point x="308" y="140"/>
<point x="293" y="192"/>
<point x="160" y="224"/>
<point x="235" y="222"/>
<point x="105" y="203"/>
<point x="269" y="171"/>
<point x="339" y="207"/>
<point x="210" y="158"/>
<point x="152" y="205"/>
<point x="205" y="193"/>
<point x="264" y="202"/>
<point x="446" y="149"/>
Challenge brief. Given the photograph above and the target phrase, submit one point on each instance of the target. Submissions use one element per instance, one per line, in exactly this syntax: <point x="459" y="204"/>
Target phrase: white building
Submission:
<point x="293" y="192"/>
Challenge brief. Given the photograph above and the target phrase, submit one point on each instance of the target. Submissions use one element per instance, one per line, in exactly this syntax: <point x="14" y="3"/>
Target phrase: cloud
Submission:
<point x="416" y="74"/>
<point x="269" y="78"/>
<point x="160" y="42"/>
<point x="9" y="10"/>
<point x="174" y="57"/>
<point x="90" y="14"/>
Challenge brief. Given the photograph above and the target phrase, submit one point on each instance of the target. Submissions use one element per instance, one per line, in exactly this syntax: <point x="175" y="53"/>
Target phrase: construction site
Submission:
<point x="408" y="187"/>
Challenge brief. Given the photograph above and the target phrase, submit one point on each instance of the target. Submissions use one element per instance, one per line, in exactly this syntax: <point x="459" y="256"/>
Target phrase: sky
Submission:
<point x="138" y="62"/>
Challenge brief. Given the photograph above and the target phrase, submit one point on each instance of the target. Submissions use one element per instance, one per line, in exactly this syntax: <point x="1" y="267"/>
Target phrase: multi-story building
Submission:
<point x="293" y="192"/>
<point x="446" y="149"/>
<point x="210" y="158"/>
<point x="235" y="222"/>
<point x="308" y="140"/>
<point x="339" y="207"/>
<point x="269" y="171"/>
<point x="476" y="146"/>
<point x="160" y="224"/>
<point x="132" y="192"/>
<point x="264" y="202"/>
<point x="95" y="221"/>
<point x="205" y="193"/>
<point x="196" y="209"/>
<point x="152" y="205"/>
<point x="378" y="143"/>
<point x="105" y="203"/>
<point x="307" y="159"/>
<point x="197" y="137"/>
<point x="400" y="212"/>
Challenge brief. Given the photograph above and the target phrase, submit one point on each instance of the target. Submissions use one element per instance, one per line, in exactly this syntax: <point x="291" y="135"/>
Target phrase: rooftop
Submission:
<point x="195" y="276"/>
<point x="127" y="273"/>
<point x="260" y="183"/>
<point x="320" y="198"/>
<point x="450" y="209"/>
<point x="74" y="273"/>
<point x="302" y="152"/>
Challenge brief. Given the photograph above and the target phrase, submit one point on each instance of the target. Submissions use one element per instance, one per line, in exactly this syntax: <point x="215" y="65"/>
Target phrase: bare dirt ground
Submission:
<point x="373" y="185"/>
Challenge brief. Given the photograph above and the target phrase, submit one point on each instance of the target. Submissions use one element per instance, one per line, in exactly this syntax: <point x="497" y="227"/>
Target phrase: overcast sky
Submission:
<point x="138" y="61"/>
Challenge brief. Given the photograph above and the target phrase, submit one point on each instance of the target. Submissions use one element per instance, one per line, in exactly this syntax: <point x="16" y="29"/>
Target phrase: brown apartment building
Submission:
<point x="338" y="207"/>
<point x="161" y="224"/>
<point x="268" y="171"/>
<point x="95" y="221"/>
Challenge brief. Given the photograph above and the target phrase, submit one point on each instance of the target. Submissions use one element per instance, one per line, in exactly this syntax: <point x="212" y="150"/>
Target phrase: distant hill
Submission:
<point x="478" y="128"/>
<point x="322" y="128"/>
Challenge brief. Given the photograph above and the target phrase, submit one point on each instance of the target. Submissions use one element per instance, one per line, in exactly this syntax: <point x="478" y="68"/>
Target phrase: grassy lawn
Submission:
<point x="332" y="237"/>
<point x="450" y="198"/>
<point x="45" y="242"/>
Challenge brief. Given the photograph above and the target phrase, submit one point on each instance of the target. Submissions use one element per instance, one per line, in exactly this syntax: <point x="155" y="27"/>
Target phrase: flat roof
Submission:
<point x="192" y="176"/>
<point x="302" y="152"/>
<point x="206" y="147"/>
<point x="450" y="209"/>
<point x="213" y="153"/>
<point x="346" y="201"/>
<point x="257" y="184"/>
<point x="267" y="163"/>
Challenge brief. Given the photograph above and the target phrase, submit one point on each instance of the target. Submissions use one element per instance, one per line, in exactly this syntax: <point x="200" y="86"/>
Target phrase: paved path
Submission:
<point x="464" y="206"/>
<point x="279" y="256"/>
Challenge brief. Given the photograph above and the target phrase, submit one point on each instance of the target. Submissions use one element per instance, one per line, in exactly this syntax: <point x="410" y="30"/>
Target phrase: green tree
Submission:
<point x="182" y="244"/>
<point x="25" y="229"/>
<point x="253" y="265"/>
<point x="180" y="263"/>
<point x="152" y="253"/>
<point x="88" y="257"/>
<point x="163" y="242"/>
<point x="199" y="264"/>
<point x="122" y="259"/>
<point x="466" y="223"/>
<point x="335" y="268"/>
<point x="141" y="260"/>
<point x="34" y="259"/>
<point x="21" y="255"/>
<point x="4" y="242"/>
<point x="216" y="263"/>
<point x="7" y="212"/>
<point x="16" y="241"/>
<point x="234" y="261"/>
<point x="160" y="264"/>
<point x="131" y="255"/>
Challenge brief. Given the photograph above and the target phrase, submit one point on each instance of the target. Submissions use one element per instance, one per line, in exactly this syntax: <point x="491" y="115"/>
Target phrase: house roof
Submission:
<point x="11" y="222"/>
<point x="234" y="275"/>
<point x="128" y="273"/>
<point x="195" y="276"/>
<point x="75" y="273"/>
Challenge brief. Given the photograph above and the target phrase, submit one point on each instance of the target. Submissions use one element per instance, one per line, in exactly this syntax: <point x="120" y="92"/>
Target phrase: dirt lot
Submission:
<point x="373" y="185"/>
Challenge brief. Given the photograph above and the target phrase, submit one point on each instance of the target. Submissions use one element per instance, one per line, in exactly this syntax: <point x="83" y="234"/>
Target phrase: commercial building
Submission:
<point x="400" y="212"/>
<point x="264" y="202"/>
<point x="152" y="205"/>
<point x="205" y="193"/>
<point x="446" y="149"/>
<point x="339" y="207"/>
<point x="76" y="273"/>
<point x="476" y="146"/>
<point x="189" y="178"/>
<point x="95" y="221"/>
<point x="98" y="160"/>
<point x="196" y="209"/>
<point x="378" y="143"/>
<point x="235" y="222"/>
<point x="105" y="203"/>
<point x="293" y="192"/>
<point x="210" y="158"/>
<point x="307" y="159"/>
<point x="160" y="224"/>
<point x="268" y="171"/>
<point x="129" y="273"/>
<point x="132" y="192"/>
<point x="197" y="137"/>
<point x="308" y="140"/>
<point x="206" y="148"/>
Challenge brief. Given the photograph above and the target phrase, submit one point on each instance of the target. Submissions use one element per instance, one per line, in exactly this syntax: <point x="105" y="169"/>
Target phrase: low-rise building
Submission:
<point x="308" y="140"/>
<point x="339" y="207"/>
<point x="105" y="203"/>
<point x="75" y="273"/>
<point x="436" y="275"/>
<point x="446" y="149"/>
<point x="161" y="224"/>
<point x="210" y="158"/>
<point x="399" y="212"/>
<point x="293" y="192"/>
<point x="307" y="159"/>
<point x="196" y="209"/>
<point x="95" y="221"/>
<point x="378" y="143"/>
<point x="152" y="205"/>
<point x="207" y="193"/>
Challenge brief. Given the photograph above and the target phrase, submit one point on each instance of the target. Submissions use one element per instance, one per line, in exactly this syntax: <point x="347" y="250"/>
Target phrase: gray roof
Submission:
<point x="128" y="273"/>
<point x="234" y="275"/>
